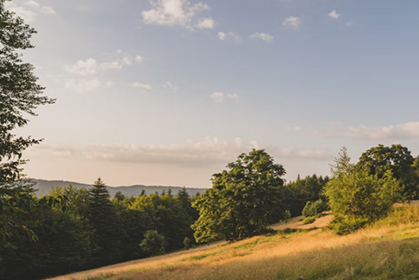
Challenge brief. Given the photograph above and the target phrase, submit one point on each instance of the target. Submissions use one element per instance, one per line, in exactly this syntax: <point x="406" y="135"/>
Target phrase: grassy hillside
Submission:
<point x="388" y="249"/>
<point x="44" y="186"/>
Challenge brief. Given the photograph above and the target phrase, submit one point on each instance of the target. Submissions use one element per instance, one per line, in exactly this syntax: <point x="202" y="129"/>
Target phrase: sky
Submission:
<point x="167" y="92"/>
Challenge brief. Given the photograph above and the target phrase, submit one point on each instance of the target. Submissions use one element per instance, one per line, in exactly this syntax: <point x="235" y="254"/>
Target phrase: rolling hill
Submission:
<point x="44" y="186"/>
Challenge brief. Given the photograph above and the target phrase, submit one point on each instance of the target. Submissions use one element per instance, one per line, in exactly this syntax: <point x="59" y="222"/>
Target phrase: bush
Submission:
<point x="187" y="243"/>
<point x="312" y="209"/>
<point x="343" y="225"/>
<point x="309" y="220"/>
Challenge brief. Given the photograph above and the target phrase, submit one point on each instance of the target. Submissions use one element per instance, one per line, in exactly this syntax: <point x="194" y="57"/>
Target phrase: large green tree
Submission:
<point x="243" y="201"/>
<point x="397" y="159"/>
<point x="20" y="95"/>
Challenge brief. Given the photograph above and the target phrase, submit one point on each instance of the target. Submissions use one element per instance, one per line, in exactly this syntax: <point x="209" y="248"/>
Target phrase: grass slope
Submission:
<point x="388" y="249"/>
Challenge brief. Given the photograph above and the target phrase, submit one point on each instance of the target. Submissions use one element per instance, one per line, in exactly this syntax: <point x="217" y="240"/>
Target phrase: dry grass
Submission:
<point x="295" y="223"/>
<point x="387" y="250"/>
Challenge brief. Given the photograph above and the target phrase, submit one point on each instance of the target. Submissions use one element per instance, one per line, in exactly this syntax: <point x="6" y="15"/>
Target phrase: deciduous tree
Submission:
<point x="243" y="200"/>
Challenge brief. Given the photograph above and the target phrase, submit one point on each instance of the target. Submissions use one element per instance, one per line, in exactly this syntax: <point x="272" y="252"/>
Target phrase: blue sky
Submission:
<point x="169" y="91"/>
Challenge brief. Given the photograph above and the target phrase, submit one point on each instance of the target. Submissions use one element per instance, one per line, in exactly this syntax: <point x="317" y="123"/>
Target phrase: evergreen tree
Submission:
<point x="104" y="222"/>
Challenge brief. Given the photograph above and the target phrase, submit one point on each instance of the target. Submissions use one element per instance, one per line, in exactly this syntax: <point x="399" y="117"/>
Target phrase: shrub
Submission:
<point x="309" y="220"/>
<point x="343" y="225"/>
<point x="312" y="209"/>
<point x="187" y="243"/>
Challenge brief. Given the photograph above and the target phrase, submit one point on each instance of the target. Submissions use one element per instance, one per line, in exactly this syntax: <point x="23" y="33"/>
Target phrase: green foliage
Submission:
<point x="298" y="193"/>
<point x="287" y="216"/>
<point x="342" y="165"/>
<point x="357" y="197"/>
<point x="153" y="243"/>
<point x="362" y="195"/>
<point x="312" y="209"/>
<point x="20" y="94"/>
<point x="243" y="200"/>
<point x="343" y="225"/>
<point x="309" y="220"/>
<point x="187" y="243"/>
<point x="397" y="159"/>
<point x="104" y="222"/>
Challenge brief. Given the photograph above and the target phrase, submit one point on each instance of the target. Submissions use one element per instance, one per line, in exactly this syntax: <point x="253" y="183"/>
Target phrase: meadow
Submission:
<point x="387" y="249"/>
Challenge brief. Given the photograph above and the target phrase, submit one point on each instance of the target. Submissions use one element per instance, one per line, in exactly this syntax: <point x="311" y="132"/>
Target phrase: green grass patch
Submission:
<point x="201" y="257"/>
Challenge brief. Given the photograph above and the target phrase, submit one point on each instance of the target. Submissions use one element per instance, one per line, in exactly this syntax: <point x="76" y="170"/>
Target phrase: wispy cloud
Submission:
<point x="142" y="86"/>
<point x="29" y="10"/>
<point x="292" y="22"/>
<point x="84" y="85"/>
<point x="263" y="36"/>
<point x="202" y="153"/>
<point x="334" y="14"/>
<point x="220" y="97"/>
<point x="206" y="23"/>
<point x="175" y="13"/>
<point x="84" y="67"/>
<point x="225" y="35"/>
<point x="409" y="130"/>
<point x="91" y="66"/>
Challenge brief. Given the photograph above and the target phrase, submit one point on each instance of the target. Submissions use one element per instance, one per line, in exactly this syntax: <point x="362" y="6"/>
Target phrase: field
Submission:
<point x="388" y="249"/>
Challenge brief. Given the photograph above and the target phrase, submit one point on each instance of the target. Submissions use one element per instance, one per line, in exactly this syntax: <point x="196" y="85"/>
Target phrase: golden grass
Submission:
<point x="386" y="250"/>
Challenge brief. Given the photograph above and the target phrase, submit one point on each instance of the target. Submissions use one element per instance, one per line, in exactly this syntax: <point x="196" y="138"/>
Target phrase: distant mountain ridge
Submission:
<point x="44" y="186"/>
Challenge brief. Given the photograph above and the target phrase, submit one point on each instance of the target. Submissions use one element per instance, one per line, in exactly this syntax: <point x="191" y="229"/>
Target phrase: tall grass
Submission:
<point x="388" y="249"/>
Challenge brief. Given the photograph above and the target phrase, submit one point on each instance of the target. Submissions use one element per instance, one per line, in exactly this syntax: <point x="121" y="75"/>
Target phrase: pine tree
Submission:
<point x="103" y="220"/>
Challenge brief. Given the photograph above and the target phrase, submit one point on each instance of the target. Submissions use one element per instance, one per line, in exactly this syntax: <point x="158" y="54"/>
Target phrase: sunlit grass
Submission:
<point x="388" y="249"/>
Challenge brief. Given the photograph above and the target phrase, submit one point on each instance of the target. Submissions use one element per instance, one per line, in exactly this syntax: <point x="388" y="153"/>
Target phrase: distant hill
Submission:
<point x="44" y="186"/>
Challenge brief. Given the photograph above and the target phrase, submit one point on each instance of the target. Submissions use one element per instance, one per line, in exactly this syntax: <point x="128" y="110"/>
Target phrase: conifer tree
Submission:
<point x="103" y="220"/>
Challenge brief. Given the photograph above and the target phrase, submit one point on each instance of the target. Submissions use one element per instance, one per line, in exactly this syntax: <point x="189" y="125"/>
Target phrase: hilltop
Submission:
<point x="44" y="186"/>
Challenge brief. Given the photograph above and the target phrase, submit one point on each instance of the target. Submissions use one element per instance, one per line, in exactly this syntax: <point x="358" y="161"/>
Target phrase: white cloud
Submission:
<point x="90" y="66"/>
<point x="84" y="85"/>
<point x="409" y="130"/>
<point x="169" y="86"/>
<point x="48" y="10"/>
<point x="335" y="15"/>
<point x="263" y="36"/>
<point x="138" y="59"/>
<point x="202" y="153"/>
<point x="29" y="10"/>
<point x="32" y="4"/>
<point x="292" y="22"/>
<point x="111" y="65"/>
<point x="126" y="60"/>
<point x="173" y="12"/>
<point x="206" y="23"/>
<point x="27" y="14"/>
<point x="141" y="86"/>
<point x="225" y="35"/>
<point x="222" y="35"/>
<point x="84" y="67"/>
<point x="220" y="97"/>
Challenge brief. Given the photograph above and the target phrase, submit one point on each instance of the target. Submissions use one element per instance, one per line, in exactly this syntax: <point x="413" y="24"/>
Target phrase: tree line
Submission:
<point x="74" y="229"/>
